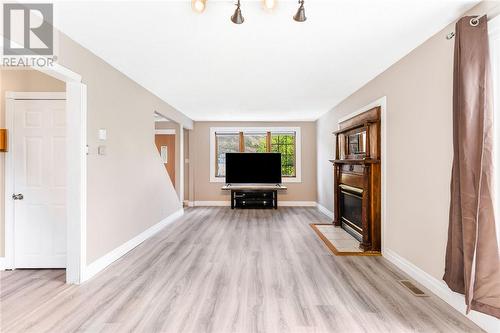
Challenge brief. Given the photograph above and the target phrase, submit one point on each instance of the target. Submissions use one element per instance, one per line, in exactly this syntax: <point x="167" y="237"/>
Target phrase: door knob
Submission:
<point x="17" y="196"/>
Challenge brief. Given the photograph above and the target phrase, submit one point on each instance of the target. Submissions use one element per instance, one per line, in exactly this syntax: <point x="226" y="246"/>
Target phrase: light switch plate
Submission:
<point x="103" y="134"/>
<point x="101" y="150"/>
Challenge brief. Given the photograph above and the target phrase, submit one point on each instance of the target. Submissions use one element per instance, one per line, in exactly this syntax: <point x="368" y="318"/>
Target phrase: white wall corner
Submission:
<point x="325" y="210"/>
<point x="441" y="290"/>
<point x="106" y="260"/>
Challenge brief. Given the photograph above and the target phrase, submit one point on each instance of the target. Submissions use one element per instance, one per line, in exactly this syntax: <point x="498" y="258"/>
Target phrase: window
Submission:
<point x="256" y="140"/>
<point x="225" y="143"/>
<point x="284" y="143"/>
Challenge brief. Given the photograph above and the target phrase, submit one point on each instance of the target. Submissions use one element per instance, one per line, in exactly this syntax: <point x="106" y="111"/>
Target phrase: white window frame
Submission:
<point x="494" y="42"/>
<point x="298" y="148"/>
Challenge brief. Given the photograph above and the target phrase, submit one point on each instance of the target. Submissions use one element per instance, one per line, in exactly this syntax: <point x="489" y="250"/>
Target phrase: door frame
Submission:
<point x="76" y="167"/>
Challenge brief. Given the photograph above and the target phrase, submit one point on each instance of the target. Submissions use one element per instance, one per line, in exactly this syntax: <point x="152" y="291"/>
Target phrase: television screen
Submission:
<point x="253" y="168"/>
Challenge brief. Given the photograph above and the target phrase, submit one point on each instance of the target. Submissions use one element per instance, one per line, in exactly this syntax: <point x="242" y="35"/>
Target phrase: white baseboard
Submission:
<point x="440" y="289"/>
<point x="211" y="203"/>
<point x="325" y="210"/>
<point x="228" y="203"/>
<point x="2" y="263"/>
<point x="106" y="260"/>
<point x="297" y="203"/>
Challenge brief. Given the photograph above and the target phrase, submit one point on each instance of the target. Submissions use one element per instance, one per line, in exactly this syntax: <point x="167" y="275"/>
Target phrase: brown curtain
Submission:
<point x="472" y="255"/>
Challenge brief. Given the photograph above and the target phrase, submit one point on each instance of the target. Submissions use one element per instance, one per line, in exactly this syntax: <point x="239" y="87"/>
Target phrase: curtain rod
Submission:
<point x="473" y="22"/>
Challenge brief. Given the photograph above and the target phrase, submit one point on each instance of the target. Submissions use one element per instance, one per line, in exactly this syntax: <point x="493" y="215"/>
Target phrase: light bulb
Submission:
<point x="199" y="5"/>
<point x="269" y="4"/>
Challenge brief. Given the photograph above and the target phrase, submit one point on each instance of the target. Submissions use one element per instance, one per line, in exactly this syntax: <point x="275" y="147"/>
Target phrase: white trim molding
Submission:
<point x="210" y="203"/>
<point x="297" y="203"/>
<point x="440" y="289"/>
<point x="76" y="178"/>
<point x="298" y="148"/>
<point x="106" y="260"/>
<point x="168" y="131"/>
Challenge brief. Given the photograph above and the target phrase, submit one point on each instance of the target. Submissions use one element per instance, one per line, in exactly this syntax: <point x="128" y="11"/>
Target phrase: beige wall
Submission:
<point x="419" y="149"/>
<point x="21" y="81"/>
<point x="128" y="188"/>
<point x="200" y="162"/>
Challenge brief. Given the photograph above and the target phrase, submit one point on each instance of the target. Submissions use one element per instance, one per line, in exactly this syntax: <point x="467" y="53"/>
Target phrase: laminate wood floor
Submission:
<point x="221" y="270"/>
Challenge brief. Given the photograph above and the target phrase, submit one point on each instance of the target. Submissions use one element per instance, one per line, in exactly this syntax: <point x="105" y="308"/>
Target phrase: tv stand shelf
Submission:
<point x="254" y="196"/>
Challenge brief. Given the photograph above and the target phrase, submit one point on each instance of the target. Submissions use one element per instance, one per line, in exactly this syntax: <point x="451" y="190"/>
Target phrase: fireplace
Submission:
<point x="351" y="203"/>
<point x="357" y="179"/>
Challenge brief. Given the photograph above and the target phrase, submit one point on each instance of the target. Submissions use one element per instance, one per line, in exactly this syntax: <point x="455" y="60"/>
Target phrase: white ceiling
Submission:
<point x="270" y="67"/>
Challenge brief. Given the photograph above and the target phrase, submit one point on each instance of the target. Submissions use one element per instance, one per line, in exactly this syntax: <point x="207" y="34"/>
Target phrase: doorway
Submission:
<point x="170" y="139"/>
<point x="165" y="143"/>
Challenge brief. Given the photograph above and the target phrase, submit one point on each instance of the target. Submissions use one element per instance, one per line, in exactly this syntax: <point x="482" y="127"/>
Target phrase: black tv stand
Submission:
<point x="254" y="199"/>
<point x="254" y="196"/>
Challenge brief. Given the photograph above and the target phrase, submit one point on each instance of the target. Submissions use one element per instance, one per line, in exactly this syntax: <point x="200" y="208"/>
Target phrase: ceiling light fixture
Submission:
<point x="199" y="5"/>
<point x="269" y="4"/>
<point x="300" y="16"/>
<point x="237" y="18"/>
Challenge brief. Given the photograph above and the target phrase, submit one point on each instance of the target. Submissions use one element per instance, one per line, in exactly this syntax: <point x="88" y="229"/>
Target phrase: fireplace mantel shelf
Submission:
<point x="354" y="161"/>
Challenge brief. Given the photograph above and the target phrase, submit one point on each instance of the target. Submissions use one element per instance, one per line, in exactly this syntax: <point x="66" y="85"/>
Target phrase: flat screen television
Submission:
<point x="253" y="168"/>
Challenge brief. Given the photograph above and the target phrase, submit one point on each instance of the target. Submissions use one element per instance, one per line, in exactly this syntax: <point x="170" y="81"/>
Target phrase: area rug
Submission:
<point x="339" y="242"/>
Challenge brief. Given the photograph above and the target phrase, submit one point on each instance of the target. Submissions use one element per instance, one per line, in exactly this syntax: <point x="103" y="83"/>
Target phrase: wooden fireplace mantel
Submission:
<point x="356" y="162"/>
<point x="360" y="170"/>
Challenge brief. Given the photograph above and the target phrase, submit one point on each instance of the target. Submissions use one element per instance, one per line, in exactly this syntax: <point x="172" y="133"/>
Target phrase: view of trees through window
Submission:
<point x="283" y="143"/>
<point x="255" y="142"/>
<point x="226" y="143"/>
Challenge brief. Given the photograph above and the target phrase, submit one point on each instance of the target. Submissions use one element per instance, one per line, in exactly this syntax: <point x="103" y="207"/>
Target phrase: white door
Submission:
<point x="39" y="148"/>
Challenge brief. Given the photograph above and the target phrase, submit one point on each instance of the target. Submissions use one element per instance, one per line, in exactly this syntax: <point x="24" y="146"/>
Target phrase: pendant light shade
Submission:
<point x="237" y="18"/>
<point x="269" y="4"/>
<point x="300" y="16"/>
<point x="198" y="5"/>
